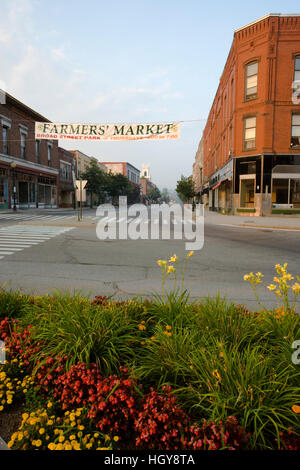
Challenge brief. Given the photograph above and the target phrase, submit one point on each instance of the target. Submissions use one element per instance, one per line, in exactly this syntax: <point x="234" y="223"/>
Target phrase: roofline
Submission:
<point x="127" y="163"/>
<point x="282" y="15"/>
<point x="26" y="108"/>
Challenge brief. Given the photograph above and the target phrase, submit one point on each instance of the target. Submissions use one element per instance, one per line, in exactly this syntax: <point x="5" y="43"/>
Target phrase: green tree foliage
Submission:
<point x="185" y="188"/>
<point x="97" y="180"/>
<point x="154" y="194"/>
<point x="119" y="185"/>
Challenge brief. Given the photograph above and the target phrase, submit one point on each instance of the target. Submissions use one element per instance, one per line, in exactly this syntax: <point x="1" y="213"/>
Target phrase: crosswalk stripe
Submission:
<point x="34" y="237"/>
<point x="9" y="248"/>
<point x="20" y="240"/>
<point x="12" y="244"/>
<point x="16" y="238"/>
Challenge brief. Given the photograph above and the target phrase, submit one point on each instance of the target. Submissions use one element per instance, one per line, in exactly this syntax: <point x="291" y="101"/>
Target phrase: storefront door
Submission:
<point x="3" y="193"/>
<point x="247" y="186"/>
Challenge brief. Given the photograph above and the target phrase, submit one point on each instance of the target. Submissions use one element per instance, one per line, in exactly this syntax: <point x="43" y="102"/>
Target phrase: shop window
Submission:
<point x="280" y="191"/>
<point x="295" y="192"/>
<point x="249" y="133"/>
<point x="251" y="81"/>
<point x="295" y="138"/>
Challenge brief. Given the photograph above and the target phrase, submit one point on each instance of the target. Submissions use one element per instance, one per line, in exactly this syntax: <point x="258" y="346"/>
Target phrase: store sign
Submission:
<point x="56" y="131"/>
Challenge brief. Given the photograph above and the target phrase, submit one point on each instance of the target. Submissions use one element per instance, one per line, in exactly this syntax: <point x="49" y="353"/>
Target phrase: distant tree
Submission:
<point x="154" y="194"/>
<point x="118" y="185"/>
<point x="96" y="180"/>
<point x="165" y="195"/>
<point x="134" y="196"/>
<point x="185" y="188"/>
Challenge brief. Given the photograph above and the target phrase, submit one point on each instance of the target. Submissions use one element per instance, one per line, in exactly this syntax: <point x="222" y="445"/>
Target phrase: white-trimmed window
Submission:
<point x="23" y="137"/>
<point x="249" y="133"/>
<point x="251" y="81"/>
<point x="295" y="138"/>
<point x="6" y="125"/>
<point x="37" y="151"/>
<point x="5" y="139"/>
<point x="49" y="153"/>
<point x="23" y="145"/>
<point x="297" y="73"/>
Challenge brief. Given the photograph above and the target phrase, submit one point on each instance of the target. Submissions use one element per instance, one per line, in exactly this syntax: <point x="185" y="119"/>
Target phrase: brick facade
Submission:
<point x="249" y="127"/>
<point x="29" y="169"/>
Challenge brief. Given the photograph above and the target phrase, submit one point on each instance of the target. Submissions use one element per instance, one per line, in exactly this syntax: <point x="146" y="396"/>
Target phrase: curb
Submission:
<point x="3" y="445"/>
<point x="268" y="227"/>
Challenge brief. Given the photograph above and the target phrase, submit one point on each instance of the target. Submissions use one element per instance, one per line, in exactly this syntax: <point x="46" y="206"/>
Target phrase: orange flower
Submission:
<point x="296" y="408"/>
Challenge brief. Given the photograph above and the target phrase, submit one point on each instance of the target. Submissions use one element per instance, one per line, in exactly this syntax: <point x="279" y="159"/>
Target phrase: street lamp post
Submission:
<point x="13" y="167"/>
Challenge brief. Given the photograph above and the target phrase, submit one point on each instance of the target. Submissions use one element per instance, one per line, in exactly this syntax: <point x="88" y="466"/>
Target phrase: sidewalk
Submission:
<point x="283" y="222"/>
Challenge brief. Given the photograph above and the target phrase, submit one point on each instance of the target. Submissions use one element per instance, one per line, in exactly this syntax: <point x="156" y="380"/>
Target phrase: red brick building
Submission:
<point x="66" y="178"/>
<point x="29" y="168"/>
<point x="252" y="135"/>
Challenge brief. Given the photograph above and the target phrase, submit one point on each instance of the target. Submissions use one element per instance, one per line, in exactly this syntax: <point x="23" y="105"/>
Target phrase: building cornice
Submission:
<point x="269" y="15"/>
<point x="26" y="164"/>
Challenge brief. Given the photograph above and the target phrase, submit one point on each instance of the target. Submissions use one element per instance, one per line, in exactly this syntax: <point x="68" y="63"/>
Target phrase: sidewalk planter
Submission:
<point x="163" y="374"/>
<point x="286" y="211"/>
<point x="246" y="211"/>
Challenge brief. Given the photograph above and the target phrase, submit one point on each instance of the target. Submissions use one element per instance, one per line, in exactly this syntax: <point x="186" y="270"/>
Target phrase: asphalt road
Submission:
<point x="44" y="258"/>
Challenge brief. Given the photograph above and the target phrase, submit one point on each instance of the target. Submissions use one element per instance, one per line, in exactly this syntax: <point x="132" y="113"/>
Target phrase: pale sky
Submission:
<point x="135" y="61"/>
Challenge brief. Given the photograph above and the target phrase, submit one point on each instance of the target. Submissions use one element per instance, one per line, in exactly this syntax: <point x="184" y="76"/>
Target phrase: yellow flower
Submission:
<point x="116" y="438"/>
<point x="168" y="327"/>
<point x="49" y="405"/>
<point x="216" y="374"/>
<point x="173" y="259"/>
<point x="271" y="287"/>
<point x="167" y="333"/>
<point x="51" y="446"/>
<point x="190" y="254"/>
<point x="61" y="438"/>
<point x="161" y="262"/>
<point x="296" y="288"/>
<point x="41" y="430"/>
<point x="38" y="443"/>
<point x="142" y="327"/>
<point x="171" y="269"/>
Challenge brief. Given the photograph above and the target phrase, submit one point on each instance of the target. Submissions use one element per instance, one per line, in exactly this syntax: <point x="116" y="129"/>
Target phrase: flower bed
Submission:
<point x="165" y="374"/>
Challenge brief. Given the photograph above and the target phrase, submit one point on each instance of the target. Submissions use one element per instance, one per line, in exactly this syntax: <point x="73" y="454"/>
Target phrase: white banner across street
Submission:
<point x="57" y="131"/>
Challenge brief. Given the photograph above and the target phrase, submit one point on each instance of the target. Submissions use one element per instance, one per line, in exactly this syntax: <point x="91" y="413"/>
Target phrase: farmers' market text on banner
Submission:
<point x="55" y="131"/>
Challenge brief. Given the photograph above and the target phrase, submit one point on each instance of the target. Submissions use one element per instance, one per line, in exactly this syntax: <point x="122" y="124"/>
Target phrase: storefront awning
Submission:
<point x="217" y="185"/>
<point x="286" y="171"/>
